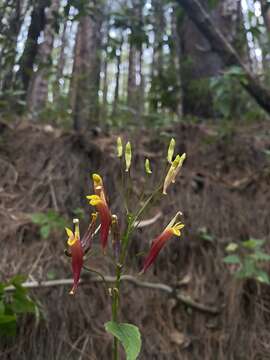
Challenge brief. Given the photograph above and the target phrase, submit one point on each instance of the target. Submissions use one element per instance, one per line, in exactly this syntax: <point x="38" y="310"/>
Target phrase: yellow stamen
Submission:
<point x="71" y="237"/>
<point x="94" y="199"/>
<point x="173" y="221"/>
<point x="77" y="229"/>
<point x="97" y="180"/>
<point x="176" y="228"/>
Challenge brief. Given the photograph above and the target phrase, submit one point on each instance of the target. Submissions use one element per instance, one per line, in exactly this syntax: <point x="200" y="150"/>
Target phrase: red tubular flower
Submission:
<point x="76" y="250"/>
<point x="105" y="218"/>
<point x="159" y="242"/>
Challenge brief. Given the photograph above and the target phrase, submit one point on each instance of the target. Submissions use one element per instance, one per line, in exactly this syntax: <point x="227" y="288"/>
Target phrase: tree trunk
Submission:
<point x="265" y="6"/>
<point x="117" y="77"/>
<point x="9" y="48"/>
<point x="62" y="58"/>
<point x="158" y="58"/>
<point x="200" y="62"/>
<point x="177" y="55"/>
<point x="27" y="59"/>
<point x="38" y="90"/>
<point x="131" y="90"/>
<point x="226" y="51"/>
<point x="86" y="72"/>
<point x="105" y="70"/>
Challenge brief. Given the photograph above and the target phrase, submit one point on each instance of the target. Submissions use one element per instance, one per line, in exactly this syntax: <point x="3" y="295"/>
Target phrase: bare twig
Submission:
<point x="187" y="300"/>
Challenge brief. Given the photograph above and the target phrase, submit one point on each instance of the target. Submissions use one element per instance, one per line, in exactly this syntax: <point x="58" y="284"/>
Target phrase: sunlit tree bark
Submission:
<point x="38" y="89"/>
<point x="14" y="18"/>
<point x="86" y="71"/>
<point x="28" y="57"/>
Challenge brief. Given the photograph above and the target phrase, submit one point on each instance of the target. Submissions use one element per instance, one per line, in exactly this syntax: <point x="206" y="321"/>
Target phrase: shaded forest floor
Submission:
<point x="224" y="194"/>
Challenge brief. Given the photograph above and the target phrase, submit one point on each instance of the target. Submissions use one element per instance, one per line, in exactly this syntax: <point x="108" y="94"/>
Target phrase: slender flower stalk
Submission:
<point x="160" y="241"/>
<point x="105" y="218"/>
<point x="115" y="231"/>
<point x="76" y="249"/>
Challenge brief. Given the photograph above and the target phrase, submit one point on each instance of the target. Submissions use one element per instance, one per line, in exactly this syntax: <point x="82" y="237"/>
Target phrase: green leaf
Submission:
<point x="232" y="259"/>
<point x="248" y="268"/>
<point x="231" y="247"/>
<point x="129" y="335"/>
<point x="212" y="3"/>
<point x="21" y="303"/>
<point x="260" y="256"/>
<point x="39" y="218"/>
<point x="17" y="280"/>
<point x="2" y="307"/>
<point x="253" y="243"/>
<point x="4" y="319"/>
<point x="45" y="231"/>
<point x="8" y="325"/>
<point x="263" y="277"/>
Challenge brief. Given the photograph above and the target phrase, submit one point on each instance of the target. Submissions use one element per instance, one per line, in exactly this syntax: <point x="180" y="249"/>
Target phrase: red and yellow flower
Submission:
<point x="99" y="201"/>
<point x="79" y="247"/>
<point x="158" y="243"/>
<point x="77" y="252"/>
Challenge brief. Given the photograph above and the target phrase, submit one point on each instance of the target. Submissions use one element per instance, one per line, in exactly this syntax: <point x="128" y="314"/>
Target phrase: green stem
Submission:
<point x="115" y="306"/>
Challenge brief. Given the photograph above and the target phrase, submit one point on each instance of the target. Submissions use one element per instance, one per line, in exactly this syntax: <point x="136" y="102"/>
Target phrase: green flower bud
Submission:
<point x="119" y="147"/>
<point x="171" y="150"/>
<point x="128" y="156"/>
<point x="147" y="167"/>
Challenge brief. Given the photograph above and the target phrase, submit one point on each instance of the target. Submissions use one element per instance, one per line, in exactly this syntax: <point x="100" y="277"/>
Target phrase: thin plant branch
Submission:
<point x="184" y="299"/>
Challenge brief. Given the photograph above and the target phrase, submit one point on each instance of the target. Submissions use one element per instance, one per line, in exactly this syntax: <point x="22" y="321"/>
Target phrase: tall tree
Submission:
<point x="62" y="55"/>
<point x="27" y="60"/>
<point x="265" y="6"/>
<point x="223" y="48"/>
<point x="157" y="76"/>
<point x="117" y="75"/>
<point x="38" y="89"/>
<point x="86" y="69"/>
<point x="200" y="62"/>
<point x="10" y="31"/>
<point x="176" y="54"/>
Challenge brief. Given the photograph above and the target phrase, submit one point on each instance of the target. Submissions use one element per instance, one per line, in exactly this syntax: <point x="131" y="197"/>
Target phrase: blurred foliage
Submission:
<point x="48" y="222"/>
<point x="230" y="100"/>
<point x="13" y="304"/>
<point x="249" y="258"/>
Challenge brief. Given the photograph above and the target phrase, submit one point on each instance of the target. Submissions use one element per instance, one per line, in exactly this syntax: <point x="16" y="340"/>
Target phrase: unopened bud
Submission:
<point x="119" y="147"/>
<point x="128" y="156"/>
<point x="171" y="150"/>
<point x="147" y="167"/>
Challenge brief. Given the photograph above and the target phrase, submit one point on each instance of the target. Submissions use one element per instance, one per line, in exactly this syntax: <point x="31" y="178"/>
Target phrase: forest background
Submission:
<point x="76" y="74"/>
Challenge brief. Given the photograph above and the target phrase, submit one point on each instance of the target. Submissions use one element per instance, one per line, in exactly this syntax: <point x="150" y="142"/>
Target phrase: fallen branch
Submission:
<point x="186" y="300"/>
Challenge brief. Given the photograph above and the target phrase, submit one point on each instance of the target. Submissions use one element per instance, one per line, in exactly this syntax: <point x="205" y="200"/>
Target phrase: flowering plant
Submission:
<point x="127" y="334"/>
